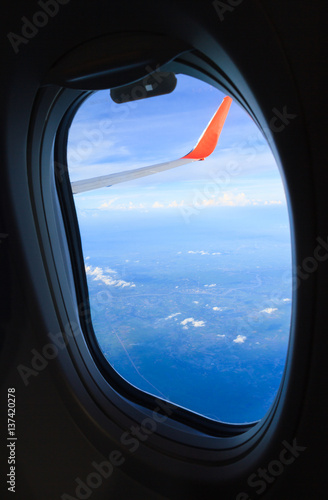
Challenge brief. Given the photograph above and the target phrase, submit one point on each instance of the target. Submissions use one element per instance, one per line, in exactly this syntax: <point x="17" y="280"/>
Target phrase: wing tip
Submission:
<point x="209" y="138"/>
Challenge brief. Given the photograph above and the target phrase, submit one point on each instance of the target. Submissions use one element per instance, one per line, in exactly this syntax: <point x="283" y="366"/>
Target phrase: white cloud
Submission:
<point x="98" y="274"/>
<point x="193" y="322"/>
<point x="240" y="339"/>
<point x="112" y="205"/>
<point x="197" y="324"/>
<point x="149" y="202"/>
<point x="269" y="310"/>
<point x="232" y="200"/>
<point x="187" y="320"/>
<point x="123" y="283"/>
<point x="107" y="204"/>
<point x="217" y="308"/>
<point x="157" y="204"/>
<point x="110" y="271"/>
<point x="229" y="199"/>
<point x="286" y="300"/>
<point x="272" y="202"/>
<point x="175" y="204"/>
<point x="195" y="302"/>
<point x="172" y="316"/>
<point x="221" y="336"/>
<point x="211" y="286"/>
<point x="201" y="252"/>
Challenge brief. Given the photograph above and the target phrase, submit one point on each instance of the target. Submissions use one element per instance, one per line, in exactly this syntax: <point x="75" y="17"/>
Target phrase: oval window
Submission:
<point x="188" y="269"/>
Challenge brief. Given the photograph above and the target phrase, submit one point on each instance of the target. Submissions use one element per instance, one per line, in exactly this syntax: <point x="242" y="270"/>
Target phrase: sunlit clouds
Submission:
<point x="192" y="322"/>
<point x="240" y="339"/>
<point x="172" y="316"/>
<point x="106" y="277"/>
<point x="228" y="199"/>
<point x="269" y="310"/>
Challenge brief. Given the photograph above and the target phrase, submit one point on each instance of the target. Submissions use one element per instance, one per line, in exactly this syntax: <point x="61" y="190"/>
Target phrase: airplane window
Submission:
<point x="188" y="268"/>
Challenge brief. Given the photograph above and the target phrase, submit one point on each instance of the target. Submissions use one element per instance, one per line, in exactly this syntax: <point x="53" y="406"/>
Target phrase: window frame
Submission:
<point x="127" y="390"/>
<point x="187" y="435"/>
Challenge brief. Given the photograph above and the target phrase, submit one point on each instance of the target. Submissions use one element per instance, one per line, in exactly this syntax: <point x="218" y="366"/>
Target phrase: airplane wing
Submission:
<point x="204" y="147"/>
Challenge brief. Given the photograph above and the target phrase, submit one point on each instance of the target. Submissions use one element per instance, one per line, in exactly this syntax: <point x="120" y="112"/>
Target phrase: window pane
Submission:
<point x="188" y="270"/>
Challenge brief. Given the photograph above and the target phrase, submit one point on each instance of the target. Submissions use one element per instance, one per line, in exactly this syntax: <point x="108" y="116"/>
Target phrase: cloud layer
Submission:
<point x="199" y="202"/>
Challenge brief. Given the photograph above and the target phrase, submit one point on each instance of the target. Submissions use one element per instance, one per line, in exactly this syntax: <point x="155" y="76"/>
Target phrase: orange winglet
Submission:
<point x="209" y="139"/>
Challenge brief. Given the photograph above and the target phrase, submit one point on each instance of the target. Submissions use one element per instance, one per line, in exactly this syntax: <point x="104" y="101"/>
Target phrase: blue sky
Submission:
<point x="106" y="137"/>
